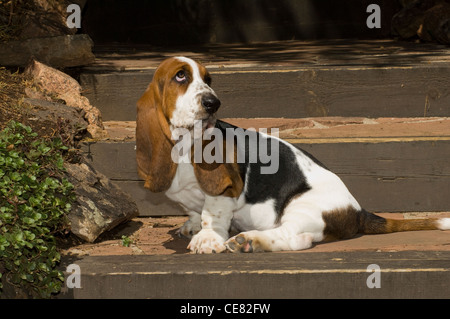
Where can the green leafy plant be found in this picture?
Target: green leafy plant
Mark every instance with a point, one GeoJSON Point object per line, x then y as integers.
{"type": "Point", "coordinates": [126, 241]}
{"type": "Point", "coordinates": [34, 198]}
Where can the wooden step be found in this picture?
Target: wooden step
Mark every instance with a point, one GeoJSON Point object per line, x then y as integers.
{"type": "Point", "coordinates": [284, 275]}
{"type": "Point", "coordinates": [291, 79]}
{"type": "Point", "coordinates": [389, 164]}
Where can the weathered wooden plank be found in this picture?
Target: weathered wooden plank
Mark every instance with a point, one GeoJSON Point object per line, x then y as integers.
{"type": "Point", "coordinates": [402, 194]}
{"type": "Point", "coordinates": [115, 94]}
{"type": "Point", "coordinates": [314, 53]}
{"type": "Point", "coordinates": [294, 93]}
{"type": "Point", "coordinates": [115, 160]}
{"type": "Point", "coordinates": [150, 204]}
{"type": "Point", "coordinates": [385, 160]}
{"type": "Point", "coordinates": [367, 92]}
{"type": "Point", "coordinates": [291, 275]}
{"type": "Point", "coordinates": [413, 176]}
{"type": "Point", "coordinates": [390, 160]}
{"type": "Point", "coordinates": [395, 176]}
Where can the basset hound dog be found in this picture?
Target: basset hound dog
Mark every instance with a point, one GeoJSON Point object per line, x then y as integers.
{"type": "Point", "coordinates": [289, 208]}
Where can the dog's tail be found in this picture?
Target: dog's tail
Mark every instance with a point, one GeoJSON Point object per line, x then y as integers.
{"type": "Point", "coordinates": [373, 224]}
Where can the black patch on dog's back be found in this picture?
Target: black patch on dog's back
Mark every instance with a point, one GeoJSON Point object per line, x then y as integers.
{"type": "Point", "coordinates": [286, 182]}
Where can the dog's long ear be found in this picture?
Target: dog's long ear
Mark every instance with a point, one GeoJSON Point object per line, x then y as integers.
{"type": "Point", "coordinates": [219, 178]}
{"type": "Point", "coordinates": [153, 143]}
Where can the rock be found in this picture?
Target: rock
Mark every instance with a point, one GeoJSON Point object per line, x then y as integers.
{"type": "Point", "coordinates": [428, 19]}
{"type": "Point", "coordinates": [44, 18]}
{"type": "Point", "coordinates": [100, 205]}
{"type": "Point", "coordinates": [407, 21]}
{"type": "Point", "coordinates": [436, 24]}
{"type": "Point", "coordinates": [67, 89]}
{"type": "Point", "coordinates": [46, 117]}
{"type": "Point", "coordinates": [59, 51]}
{"type": "Point", "coordinates": [39, 29]}
{"type": "Point", "coordinates": [28, 19]}
{"type": "Point", "coordinates": [405, 3]}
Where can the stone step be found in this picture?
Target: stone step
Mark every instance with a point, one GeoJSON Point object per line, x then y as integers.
{"type": "Point", "coordinates": [389, 164]}
{"type": "Point", "coordinates": [290, 79]}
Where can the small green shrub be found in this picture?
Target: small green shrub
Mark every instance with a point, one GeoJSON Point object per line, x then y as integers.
{"type": "Point", "coordinates": [34, 198]}
{"type": "Point", "coordinates": [126, 241]}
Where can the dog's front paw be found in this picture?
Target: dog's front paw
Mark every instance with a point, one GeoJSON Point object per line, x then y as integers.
{"type": "Point", "coordinates": [190, 228]}
{"type": "Point", "coordinates": [207, 241]}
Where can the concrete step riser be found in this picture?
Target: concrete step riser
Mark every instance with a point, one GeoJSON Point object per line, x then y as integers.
{"type": "Point", "coordinates": [294, 92]}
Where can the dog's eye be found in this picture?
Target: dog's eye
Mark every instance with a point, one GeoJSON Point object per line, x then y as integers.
{"type": "Point", "coordinates": [180, 76]}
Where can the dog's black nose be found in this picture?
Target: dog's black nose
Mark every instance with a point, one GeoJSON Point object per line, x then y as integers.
{"type": "Point", "coordinates": [210, 103]}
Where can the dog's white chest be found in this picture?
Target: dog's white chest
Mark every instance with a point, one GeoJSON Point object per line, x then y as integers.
{"type": "Point", "coordinates": [185, 189]}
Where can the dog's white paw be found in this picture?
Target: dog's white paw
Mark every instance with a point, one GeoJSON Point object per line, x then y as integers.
{"type": "Point", "coordinates": [207, 241]}
{"type": "Point", "coordinates": [190, 228]}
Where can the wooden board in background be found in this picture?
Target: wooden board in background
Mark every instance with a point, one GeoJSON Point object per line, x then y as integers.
{"type": "Point", "coordinates": [383, 177]}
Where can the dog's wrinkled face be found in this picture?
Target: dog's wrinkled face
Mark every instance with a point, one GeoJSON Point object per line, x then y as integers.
{"type": "Point", "coordinates": [186, 94]}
